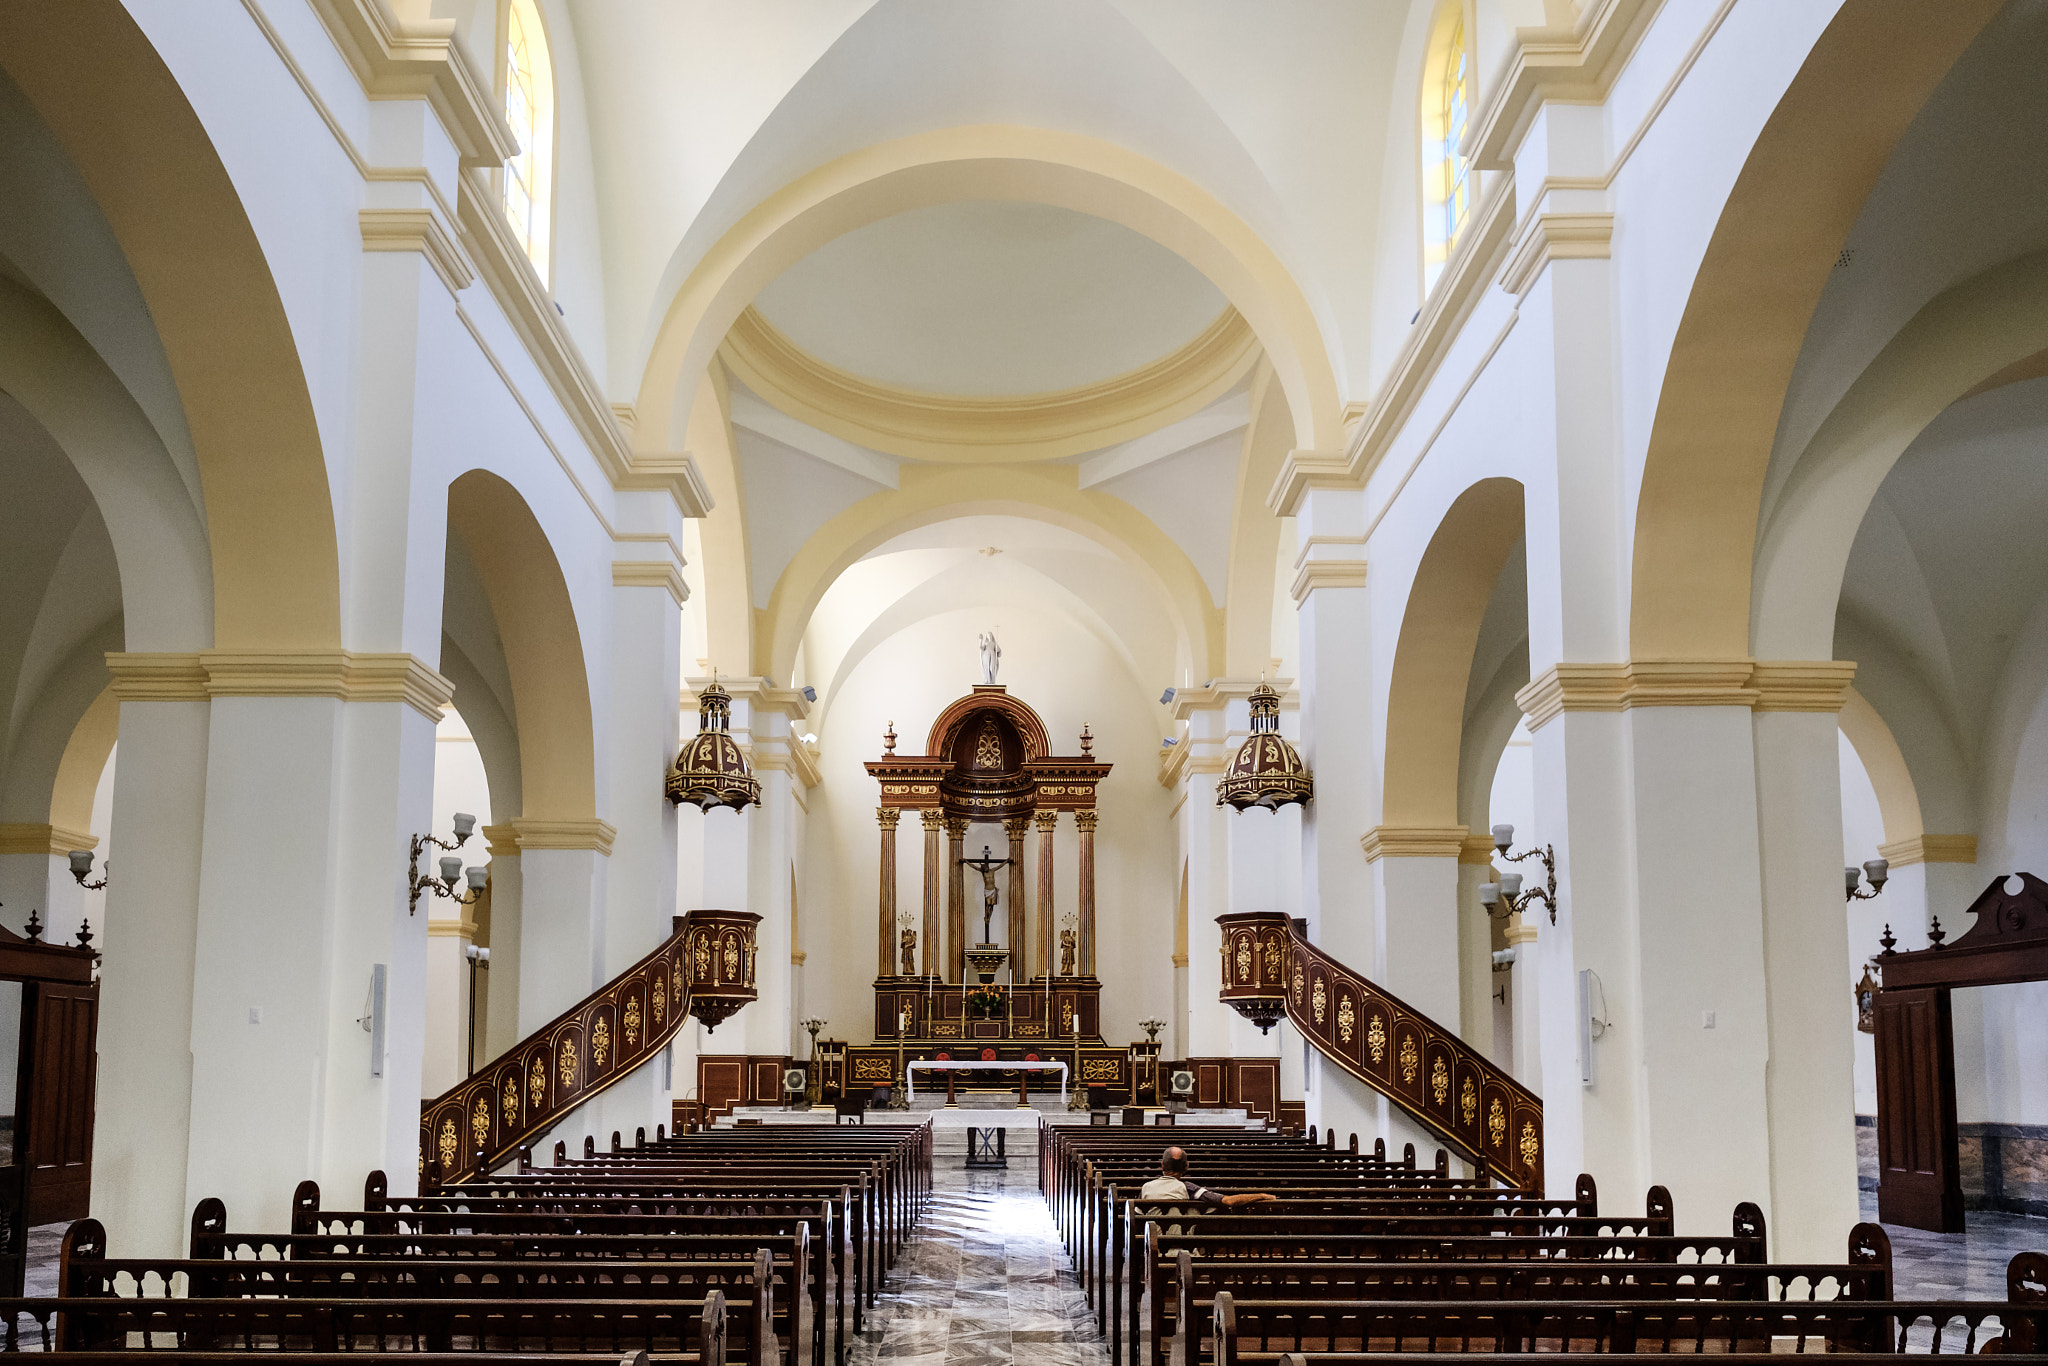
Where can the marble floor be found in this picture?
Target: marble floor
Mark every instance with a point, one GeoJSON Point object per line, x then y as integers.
{"type": "Point", "coordinates": [1966, 1265]}
{"type": "Point", "coordinates": [984, 1280]}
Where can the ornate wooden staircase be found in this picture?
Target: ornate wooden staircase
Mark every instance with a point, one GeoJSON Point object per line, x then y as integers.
{"type": "Point", "coordinates": [1270, 970]}
{"type": "Point", "coordinates": [704, 969]}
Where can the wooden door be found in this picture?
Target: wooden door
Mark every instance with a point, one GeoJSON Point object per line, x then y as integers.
{"type": "Point", "coordinates": [1919, 1184]}
{"type": "Point", "coordinates": [61, 1022]}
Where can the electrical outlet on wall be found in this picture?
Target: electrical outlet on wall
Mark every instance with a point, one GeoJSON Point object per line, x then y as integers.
{"type": "Point", "coordinates": [1706, 1019]}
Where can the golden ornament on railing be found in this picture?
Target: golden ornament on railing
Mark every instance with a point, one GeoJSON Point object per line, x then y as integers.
{"type": "Point", "coordinates": [1266, 771]}
{"type": "Point", "coordinates": [723, 981]}
{"type": "Point", "coordinates": [711, 770]}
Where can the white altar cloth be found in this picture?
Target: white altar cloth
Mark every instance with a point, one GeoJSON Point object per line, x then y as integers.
{"type": "Point", "coordinates": [977, 1065]}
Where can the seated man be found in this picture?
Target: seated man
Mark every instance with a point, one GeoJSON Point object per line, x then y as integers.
{"type": "Point", "coordinates": [1172, 1184]}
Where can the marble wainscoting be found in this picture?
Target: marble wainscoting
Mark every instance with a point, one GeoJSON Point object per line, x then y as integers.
{"type": "Point", "coordinates": [2004, 1167]}
{"type": "Point", "coordinates": [984, 1280]}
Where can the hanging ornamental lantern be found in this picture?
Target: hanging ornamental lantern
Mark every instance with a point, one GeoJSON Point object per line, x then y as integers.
{"type": "Point", "coordinates": [1266, 771]}
{"type": "Point", "coordinates": [711, 770]}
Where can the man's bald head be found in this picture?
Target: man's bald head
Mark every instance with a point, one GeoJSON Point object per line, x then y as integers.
{"type": "Point", "coordinates": [1173, 1162]}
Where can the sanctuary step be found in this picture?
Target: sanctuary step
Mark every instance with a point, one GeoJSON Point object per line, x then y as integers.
{"type": "Point", "coordinates": [981, 1117]}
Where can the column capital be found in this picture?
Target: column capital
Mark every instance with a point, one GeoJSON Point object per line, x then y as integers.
{"type": "Point", "coordinates": [1477, 850]}
{"type": "Point", "coordinates": [887, 816]}
{"type": "Point", "coordinates": [500, 841]}
{"type": "Point", "coordinates": [1762, 685]}
{"type": "Point", "coordinates": [1413, 841]}
{"type": "Point", "coordinates": [1930, 849]}
{"type": "Point", "coordinates": [956, 827]}
{"type": "Point", "coordinates": [1015, 827]}
{"type": "Point", "coordinates": [1047, 820]}
{"type": "Point", "coordinates": [1328, 562]}
{"type": "Point", "coordinates": [933, 818]}
{"type": "Point", "coordinates": [575, 834]}
{"type": "Point", "coordinates": [44, 839]}
{"type": "Point", "coordinates": [1084, 821]}
{"type": "Point", "coordinates": [188, 676]}
{"type": "Point", "coordinates": [663, 573]}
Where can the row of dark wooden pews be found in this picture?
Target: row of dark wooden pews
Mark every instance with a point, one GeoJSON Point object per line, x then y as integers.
{"type": "Point", "coordinates": [759, 1246]}
{"type": "Point", "coordinates": [1359, 1258]}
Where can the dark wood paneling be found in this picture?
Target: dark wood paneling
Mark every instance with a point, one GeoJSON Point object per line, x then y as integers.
{"type": "Point", "coordinates": [62, 1019]}
{"type": "Point", "coordinates": [1209, 1077]}
{"type": "Point", "coordinates": [1919, 1177]}
{"type": "Point", "coordinates": [1256, 1086]}
{"type": "Point", "coordinates": [721, 1084]}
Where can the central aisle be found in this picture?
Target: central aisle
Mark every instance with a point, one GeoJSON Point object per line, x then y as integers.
{"type": "Point", "coordinates": [984, 1280]}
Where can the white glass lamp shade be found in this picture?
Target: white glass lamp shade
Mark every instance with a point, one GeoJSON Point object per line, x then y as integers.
{"type": "Point", "coordinates": [1503, 836]}
{"type": "Point", "coordinates": [1877, 870]}
{"type": "Point", "coordinates": [1489, 893]}
{"type": "Point", "coordinates": [465, 825]}
{"type": "Point", "coordinates": [475, 874]}
{"type": "Point", "coordinates": [1850, 876]}
{"type": "Point", "coordinates": [451, 870]}
{"type": "Point", "coordinates": [81, 861]}
{"type": "Point", "coordinates": [1510, 883]}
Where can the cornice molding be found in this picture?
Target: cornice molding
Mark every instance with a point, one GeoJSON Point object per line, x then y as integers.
{"type": "Point", "coordinates": [1577, 64]}
{"type": "Point", "coordinates": [760, 693]}
{"type": "Point", "coordinates": [1173, 761]}
{"type": "Point", "coordinates": [1763, 685]}
{"type": "Point", "coordinates": [574, 834]}
{"type": "Point", "coordinates": [651, 574]}
{"type": "Point", "coordinates": [396, 61]}
{"type": "Point", "coordinates": [464, 929]}
{"type": "Point", "coordinates": [1548, 237]}
{"type": "Point", "coordinates": [1221, 692]}
{"type": "Point", "coordinates": [1930, 849]}
{"type": "Point", "coordinates": [500, 841]}
{"type": "Point", "coordinates": [1314, 574]}
{"type": "Point", "coordinates": [419, 230]}
{"type": "Point", "coordinates": [1458, 291]}
{"type": "Point", "coordinates": [1414, 841]}
{"type": "Point", "coordinates": [528, 307]}
{"type": "Point", "coordinates": [343, 674]}
{"type": "Point", "coordinates": [44, 839]}
{"type": "Point", "coordinates": [925, 426]}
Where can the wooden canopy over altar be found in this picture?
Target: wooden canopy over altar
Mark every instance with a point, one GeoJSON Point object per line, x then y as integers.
{"type": "Point", "coordinates": [987, 758]}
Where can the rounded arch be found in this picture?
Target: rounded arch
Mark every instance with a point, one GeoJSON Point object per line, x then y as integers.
{"type": "Point", "coordinates": [939, 493]}
{"type": "Point", "coordinates": [990, 162]}
{"type": "Point", "coordinates": [543, 646]}
{"type": "Point", "coordinates": [1433, 659]}
{"type": "Point", "coordinates": [1985, 329]}
{"type": "Point", "coordinates": [1731, 361]}
{"type": "Point", "coordinates": [146, 158]}
{"type": "Point", "coordinates": [1898, 801]}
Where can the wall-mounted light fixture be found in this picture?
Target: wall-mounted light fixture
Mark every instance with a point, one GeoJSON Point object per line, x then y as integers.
{"type": "Point", "coordinates": [1877, 870]}
{"type": "Point", "coordinates": [1508, 891]}
{"type": "Point", "coordinates": [81, 868]}
{"type": "Point", "coordinates": [452, 870]}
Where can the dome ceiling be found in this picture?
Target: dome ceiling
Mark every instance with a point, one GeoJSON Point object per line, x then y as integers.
{"type": "Point", "coordinates": [985, 299]}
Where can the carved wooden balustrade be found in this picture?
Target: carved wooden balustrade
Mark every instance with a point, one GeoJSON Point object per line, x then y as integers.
{"type": "Point", "coordinates": [1270, 970]}
{"type": "Point", "coordinates": [704, 970]}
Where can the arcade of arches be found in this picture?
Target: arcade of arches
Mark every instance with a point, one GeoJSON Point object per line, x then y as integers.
{"type": "Point", "coordinates": [1618, 419]}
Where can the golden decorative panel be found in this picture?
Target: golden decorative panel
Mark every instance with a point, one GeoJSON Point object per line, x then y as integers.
{"type": "Point", "coordinates": [945, 1031]}
{"type": "Point", "coordinates": [1274, 973]}
{"type": "Point", "coordinates": [633, 1022]}
{"type": "Point", "coordinates": [1468, 1100]}
{"type": "Point", "coordinates": [567, 1063]}
{"type": "Point", "coordinates": [1496, 1121]}
{"type": "Point", "coordinates": [1100, 1069]}
{"type": "Point", "coordinates": [1244, 960]}
{"type": "Point", "coordinates": [1529, 1145]}
{"type": "Point", "coordinates": [1439, 1081]}
{"type": "Point", "coordinates": [659, 1000]}
{"type": "Point", "coordinates": [873, 1069]}
{"type": "Point", "coordinates": [1411, 1060]}
{"type": "Point", "coordinates": [480, 1123]}
{"type": "Point", "coordinates": [1347, 1019]}
{"type": "Point", "coordinates": [1298, 983]}
{"type": "Point", "coordinates": [600, 1042]}
{"type": "Point", "coordinates": [1319, 1001]}
{"type": "Point", "coordinates": [537, 1084]}
{"type": "Point", "coordinates": [1376, 1039]}
{"type": "Point", "coordinates": [511, 1100]}
{"type": "Point", "coordinates": [448, 1144]}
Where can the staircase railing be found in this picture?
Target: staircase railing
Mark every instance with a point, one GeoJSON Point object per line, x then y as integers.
{"type": "Point", "coordinates": [1486, 1116]}
{"type": "Point", "coordinates": [704, 969]}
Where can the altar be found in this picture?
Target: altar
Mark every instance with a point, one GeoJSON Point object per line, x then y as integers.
{"type": "Point", "coordinates": [950, 1067]}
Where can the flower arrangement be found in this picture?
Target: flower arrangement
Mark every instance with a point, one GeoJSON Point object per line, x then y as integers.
{"type": "Point", "coordinates": [986, 1002]}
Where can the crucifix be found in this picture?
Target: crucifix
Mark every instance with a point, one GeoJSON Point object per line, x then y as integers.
{"type": "Point", "coordinates": [986, 865]}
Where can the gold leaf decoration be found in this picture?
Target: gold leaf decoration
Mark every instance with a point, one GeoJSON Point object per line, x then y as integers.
{"type": "Point", "coordinates": [1530, 1147]}
{"type": "Point", "coordinates": [447, 1144]}
{"type": "Point", "coordinates": [1468, 1100]}
{"type": "Point", "coordinates": [632, 1022]}
{"type": "Point", "coordinates": [700, 953]}
{"type": "Point", "coordinates": [660, 1003]}
{"type": "Point", "coordinates": [1347, 1019]}
{"type": "Point", "coordinates": [1496, 1121]}
{"type": "Point", "coordinates": [1298, 984]}
{"type": "Point", "coordinates": [1376, 1039]}
{"type": "Point", "coordinates": [1319, 1001]}
{"type": "Point", "coordinates": [1411, 1061]}
{"type": "Point", "coordinates": [1274, 970]}
{"type": "Point", "coordinates": [511, 1100]}
{"type": "Point", "coordinates": [600, 1041]}
{"type": "Point", "coordinates": [567, 1063]}
{"type": "Point", "coordinates": [480, 1122]}
{"type": "Point", "coordinates": [537, 1083]}
{"type": "Point", "coordinates": [1439, 1081]}
{"type": "Point", "coordinates": [732, 958]}
{"type": "Point", "coordinates": [1244, 960]}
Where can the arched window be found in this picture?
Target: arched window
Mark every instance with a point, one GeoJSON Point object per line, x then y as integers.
{"type": "Point", "coordinates": [1446, 100]}
{"type": "Point", "coordinates": [530, 109]}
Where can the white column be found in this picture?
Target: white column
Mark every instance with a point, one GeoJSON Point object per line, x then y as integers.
{"type": "Point", "coordinates": [562, 867]}
{"type": "Point", "coordinates": [500, 983]}
{"type": "Point", "coordinates": [446, 1057]}
{"type": "Point", "coordinates": [140, 1133]}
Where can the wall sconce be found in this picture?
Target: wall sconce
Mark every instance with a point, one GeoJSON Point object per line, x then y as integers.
{"type": "Point", "coordinates": [1508, 891]}
{"type": "Point", "coordinates": [81, 868]}
{"type": "Point", "coordinates": [452, 870]}
{"type": "Point", "coordinates": [1877, 870]}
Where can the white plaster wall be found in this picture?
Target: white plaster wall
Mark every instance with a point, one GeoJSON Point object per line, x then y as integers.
{"type": "Point", "coordinates": [1862, 832]}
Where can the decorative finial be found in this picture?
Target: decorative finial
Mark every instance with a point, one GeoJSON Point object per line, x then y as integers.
{"type": "Point", "coordinates": [1936, 934]}
{"type": "Point", "coordinates": [33, 931]}
{"type": "Point", "coordinates": [1087, 740]}
{"type": "Point", "coordinates": [1887, 940]}
{"type": "Point", "coordinates": [889, 739]}
{"type": "Point", "coordinates": [85, 936]}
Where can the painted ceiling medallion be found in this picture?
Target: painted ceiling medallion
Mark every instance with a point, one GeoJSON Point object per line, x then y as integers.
{"type": "Point", "coordinates": [712, 771]}
{"type": "Point", "coordinates": [1266, 771]}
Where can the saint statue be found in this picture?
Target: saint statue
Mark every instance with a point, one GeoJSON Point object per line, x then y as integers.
{"type": "Point", "coordinates": [991, 656]}
{"type": "Point", "coordinates": [910, 953]}
{"type": "Point", "coordinates": [1066, 953]}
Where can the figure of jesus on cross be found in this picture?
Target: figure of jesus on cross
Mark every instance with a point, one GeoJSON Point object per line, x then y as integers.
{"type": "Point", "coordinates": [986, 865]}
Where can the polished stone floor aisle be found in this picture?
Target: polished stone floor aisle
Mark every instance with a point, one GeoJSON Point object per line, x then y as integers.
{"type": "Point", "coordinates": [985, 1279]}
